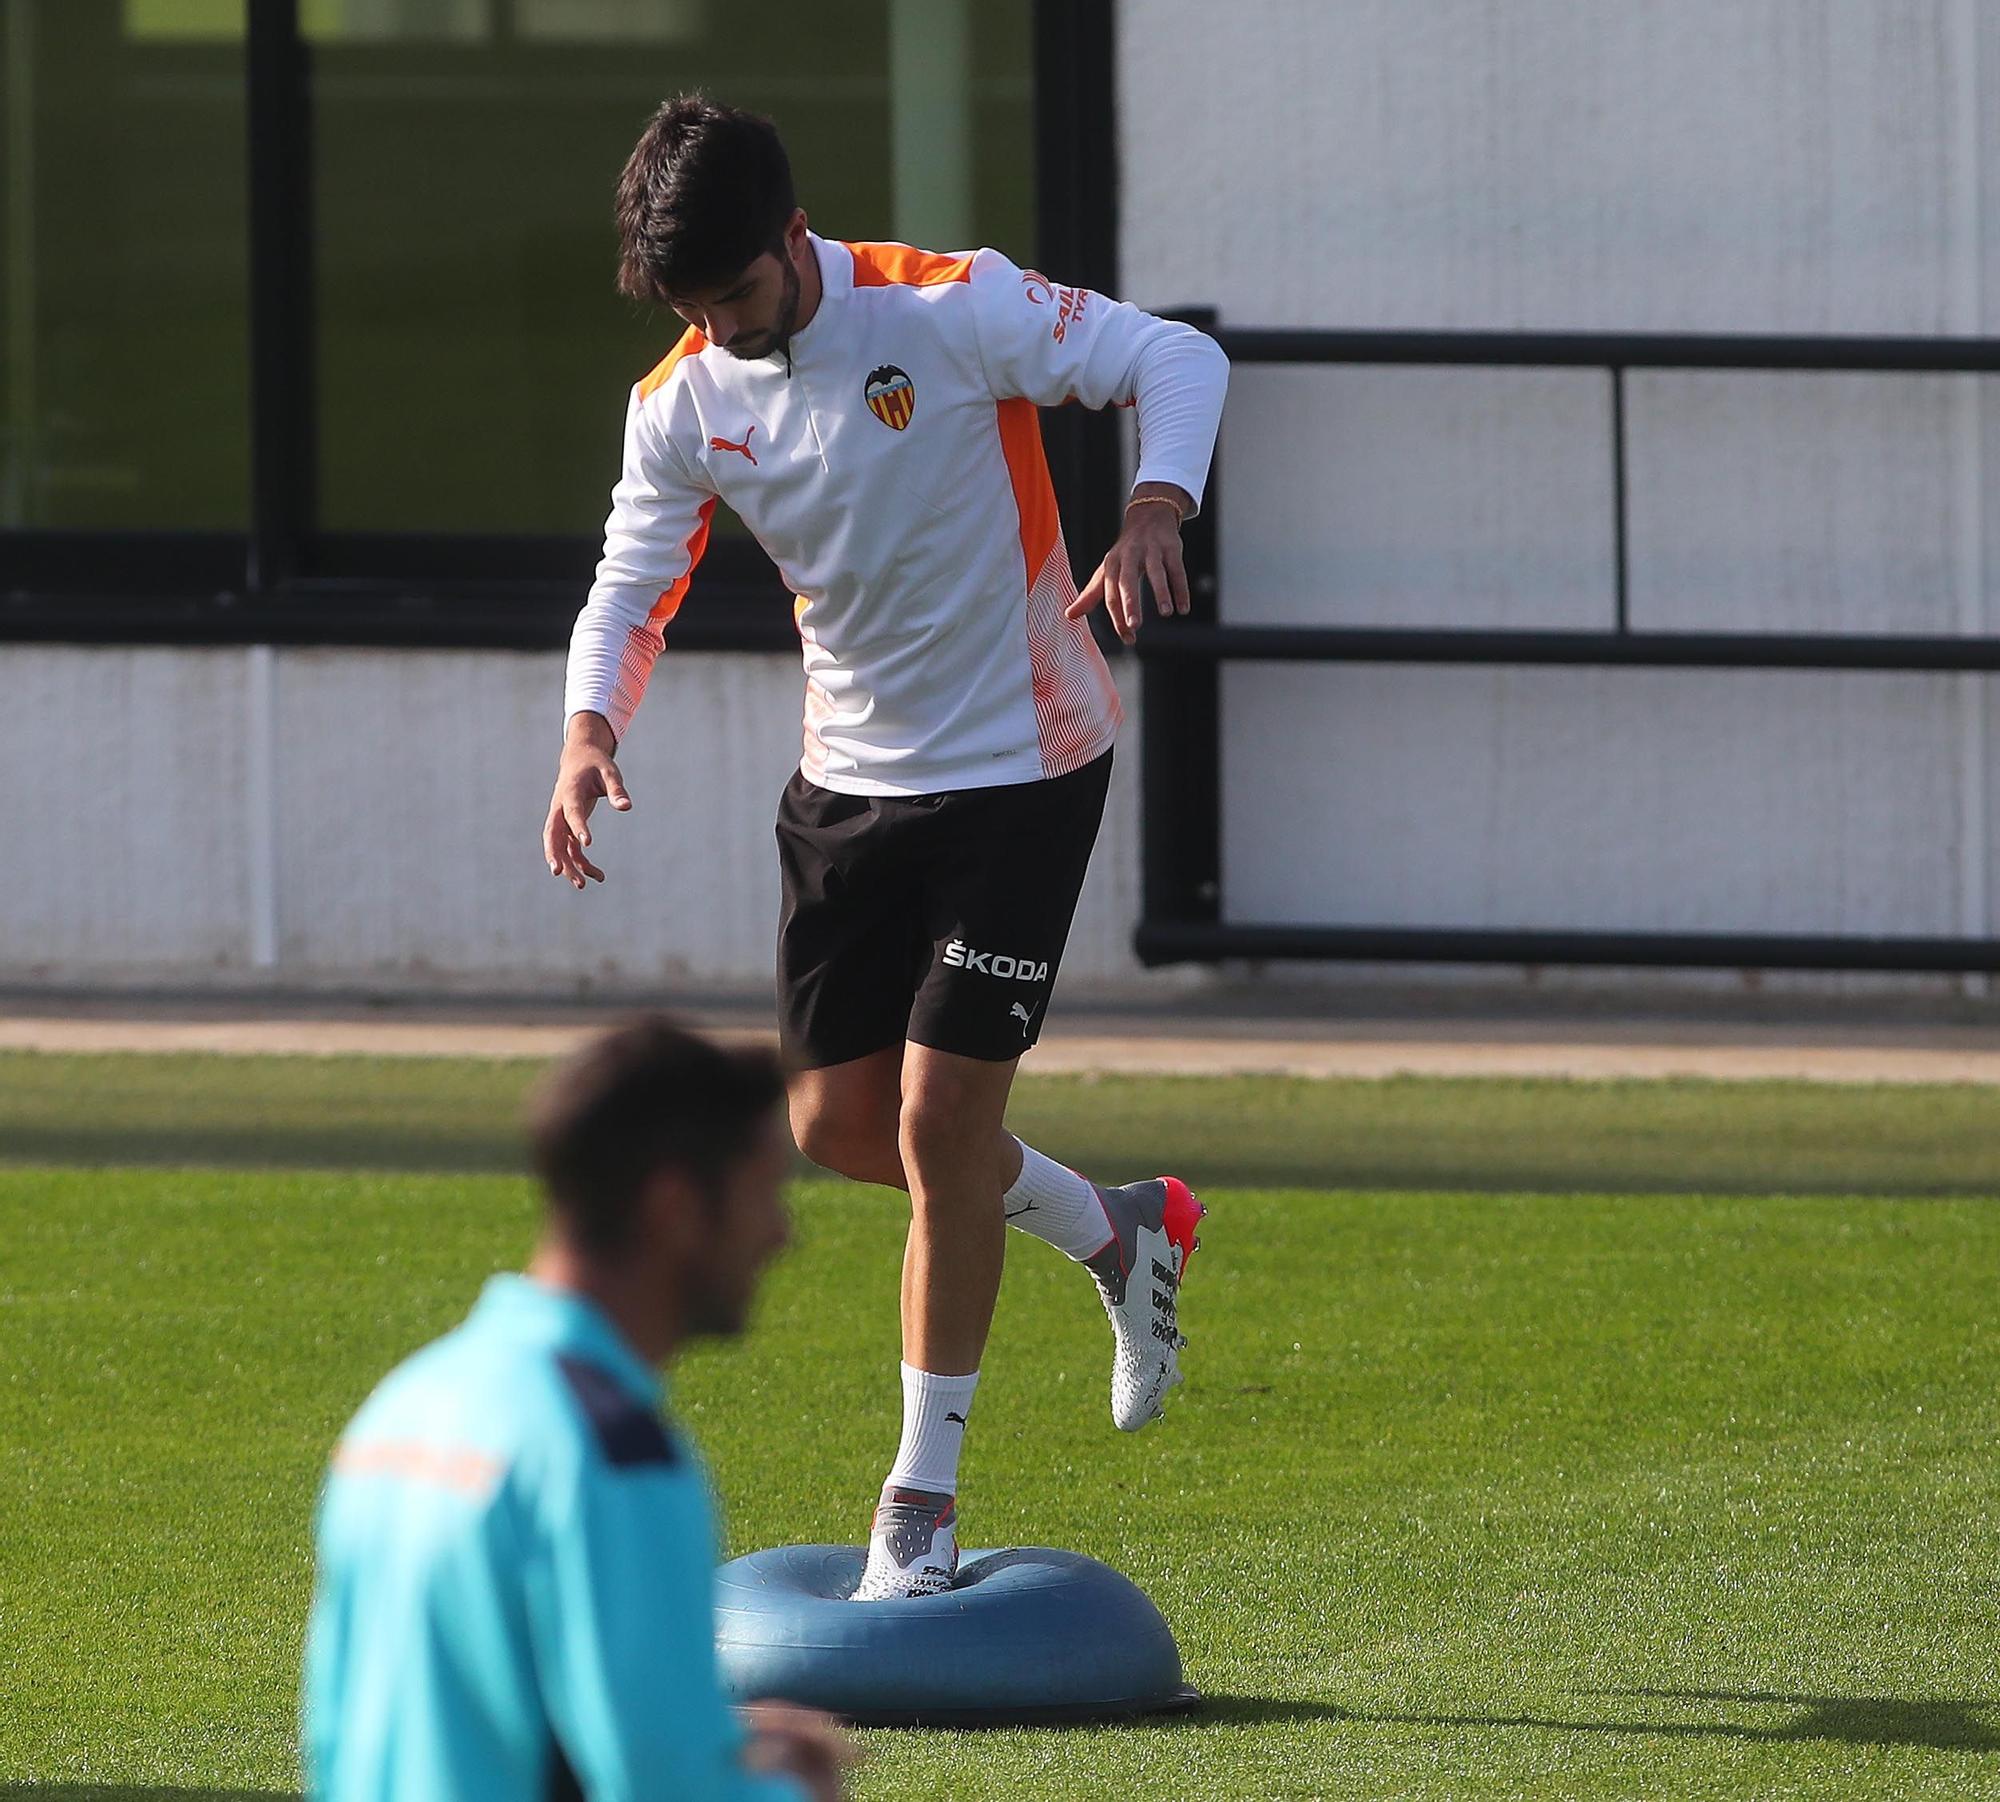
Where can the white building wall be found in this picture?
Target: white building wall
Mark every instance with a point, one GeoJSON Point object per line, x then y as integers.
{"type": "Point", "coordinates": [123, 811]}
{"type": "Point", "coordinates": [365, 819]}
{"type": "Point", "coordinates": [1658, 165]}
{"type": "Point", "coordinates": [377, 825]}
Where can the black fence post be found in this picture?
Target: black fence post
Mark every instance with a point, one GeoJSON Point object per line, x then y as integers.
{"type": "Point", "coordinates": [1621, 508]}
{"type": "Point", "coordinates": [1180, 778]}
{"type": "Point", "coordinates": [282, 429]}
{"type": "Point", "coordinates": [1076, 244]}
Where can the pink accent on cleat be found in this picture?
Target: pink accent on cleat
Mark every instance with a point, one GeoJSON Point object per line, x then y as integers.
{"type": "Point", "coordinates": [1184, 1213]}
{"type": "Point", "coordinates": [1139, 1271]}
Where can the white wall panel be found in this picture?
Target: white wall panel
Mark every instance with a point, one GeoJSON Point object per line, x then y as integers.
{"type": "Point", "coordinates": [122, 810]}
{"type": "Point", "coordinates": [1417, 497]}
{"type": "Point", "coordinates": [691, 895]}
{"type": "Point", "coordinates": [1805, 503]}
{"type": "Point", "coordinates": [1658, 165]}
{"type": "Point", "coordinates": [391, 859]}
{"type": "Point", "coordinates": [1747, 801]}
{"type": "Point", "coordinates": [1722, 165]}
{"type": "Point", "coordinates": [409, 790]}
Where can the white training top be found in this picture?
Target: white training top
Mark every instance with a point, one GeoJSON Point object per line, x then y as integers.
{"type": "Point", "coordinates": [893, 470]}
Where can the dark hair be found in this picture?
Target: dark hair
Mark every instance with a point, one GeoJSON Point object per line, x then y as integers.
{"type": "Point", "coordinates": [705, 193]}
{"type": "Point", "coordinates": [643, 1098]}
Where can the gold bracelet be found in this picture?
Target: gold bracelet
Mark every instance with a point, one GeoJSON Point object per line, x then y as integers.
{"type": "Point", "coordinates": [1156, 500]}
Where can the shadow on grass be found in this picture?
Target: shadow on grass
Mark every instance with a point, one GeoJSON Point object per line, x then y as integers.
{"type": "Point", "coordinates": [1935, 1723]}
{"type": "Point", "coordinates": [1939, 1724]}
{"type": "Point", "coordinates": [1483, 1135]}
{"type": "Point", "coordinates": [1216, 1710]}
{"type": "Point", "coordinates": [137, 1792]}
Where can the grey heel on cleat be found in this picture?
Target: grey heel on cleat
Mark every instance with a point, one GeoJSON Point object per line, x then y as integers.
{"type": "Point", "coordinates": [912, 1546]}
{"type": "Point", "coordinates": [1139, 1272]}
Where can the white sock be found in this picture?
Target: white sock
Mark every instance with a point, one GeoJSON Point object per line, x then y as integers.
{"type": "Point", "coordinates": [1055, 1204]}
{"type": "Point", "coordinates": [934, 1415]}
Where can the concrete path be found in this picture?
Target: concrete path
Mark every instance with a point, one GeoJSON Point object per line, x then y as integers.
{"type": "Point", "coordinates": [1203, 1036]}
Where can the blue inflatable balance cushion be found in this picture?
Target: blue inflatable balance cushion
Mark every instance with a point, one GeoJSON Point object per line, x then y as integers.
{"type": "Point", "coordinates": [1022, 1636]}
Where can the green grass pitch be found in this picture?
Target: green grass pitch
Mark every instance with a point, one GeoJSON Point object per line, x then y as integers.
{"type": "Point", "coordinates": [1541, 1440]}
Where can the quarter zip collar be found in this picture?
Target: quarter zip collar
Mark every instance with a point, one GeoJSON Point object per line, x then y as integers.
{"type": "Point", "coordinates": [836, 284]}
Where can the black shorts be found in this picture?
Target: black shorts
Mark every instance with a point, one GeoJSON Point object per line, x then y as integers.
{"type": "Point", "coordinates": [937, 918]}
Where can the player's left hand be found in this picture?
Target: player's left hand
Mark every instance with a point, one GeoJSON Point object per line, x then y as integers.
{"type": "Point", "coordinates": [1148, 550]}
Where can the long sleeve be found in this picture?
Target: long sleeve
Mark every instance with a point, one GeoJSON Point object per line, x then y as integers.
{"type": "Point", "coordinates": [654, 537]}
{"type": "Point", "coordinates": [621, 1615]}
{"type": "Point", "coordinates": [1050, 344]}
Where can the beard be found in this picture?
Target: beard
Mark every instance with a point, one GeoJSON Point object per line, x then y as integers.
{"type": "Point", "coordinates": [779, 337]}
{"type": "Point", "coordinates": [715, 1301]}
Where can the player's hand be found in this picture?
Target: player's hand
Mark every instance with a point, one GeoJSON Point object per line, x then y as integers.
{"type": "Point", "coordinates": [586, 776]}
{"type": "Point", "coordinates": [800, 1742]}
{"type": "Point", "coordinates": [1148, 550]}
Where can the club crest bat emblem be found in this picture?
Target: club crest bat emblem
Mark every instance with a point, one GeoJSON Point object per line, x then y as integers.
{"type": "Point", "coordinates": [891, 396]}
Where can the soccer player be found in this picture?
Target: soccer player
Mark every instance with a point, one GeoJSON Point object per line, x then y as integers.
{"type": "Point", "coordinates": [516, 1555]}
{"type": "Point", "coordinates": [869, 411]}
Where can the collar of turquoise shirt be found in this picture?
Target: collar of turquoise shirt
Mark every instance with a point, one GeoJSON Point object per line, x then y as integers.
{"type": "Point", "coordinates": [523, 1308]}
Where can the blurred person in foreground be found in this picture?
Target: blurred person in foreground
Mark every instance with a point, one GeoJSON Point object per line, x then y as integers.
{"type": "Point", "coordinates": [516, 1552]}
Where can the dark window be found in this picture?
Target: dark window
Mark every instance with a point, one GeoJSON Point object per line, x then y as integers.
{"type": "Point", "coordinates": [123, 313]}
{"type": "Point", "coordinates": [473, 360]}
{"type": "Point", "coordinates": [308, 331]}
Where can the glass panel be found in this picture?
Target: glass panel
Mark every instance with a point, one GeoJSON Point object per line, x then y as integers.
{"type": "Point", "coordinates": [473, 356]}
{"type": "Point", "coordinates": [1002, 105]}
{"type": "Point", "coordinates": [124, 305]}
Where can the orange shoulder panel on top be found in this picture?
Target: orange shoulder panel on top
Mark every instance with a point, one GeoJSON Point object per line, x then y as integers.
{"type": "Point", "coordinates": [691, 342]}
{"type": "Point", "coordinates": [897, 265]}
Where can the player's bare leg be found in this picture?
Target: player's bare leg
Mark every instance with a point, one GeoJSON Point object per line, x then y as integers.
{"type": "Point", "coordinates": [848, 1117]}
{"type": "Point", "coordinates": [958, 1164]}
{"type": "Point", "coordinates": [877, 1118]}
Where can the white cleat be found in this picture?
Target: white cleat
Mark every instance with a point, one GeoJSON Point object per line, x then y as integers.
{"type": "Point", "coordinates": [1139, 1271]}
{"type": "Point", "coordinates": [912, 1546]}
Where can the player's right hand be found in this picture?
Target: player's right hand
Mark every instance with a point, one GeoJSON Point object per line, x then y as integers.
{"type": "Point", "coordinates": [802, 1743]}
{"type": "Point", "coordinates": [586, 775]}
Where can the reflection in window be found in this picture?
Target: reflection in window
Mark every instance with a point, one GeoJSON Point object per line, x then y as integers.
{"type": "Point", "coordinates": [123, 279]}
{"type": "Point", "coordinates": [612, 21]}
{"type": "Point", "coordinates": [473, 357]}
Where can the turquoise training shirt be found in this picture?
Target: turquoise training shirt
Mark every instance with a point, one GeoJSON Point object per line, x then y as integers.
{"type": "Point", "coordinates": [515, 1593]}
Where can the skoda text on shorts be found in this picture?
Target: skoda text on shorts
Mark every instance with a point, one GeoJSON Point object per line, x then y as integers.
{"type": "Point", "coordinates": [869, 411]}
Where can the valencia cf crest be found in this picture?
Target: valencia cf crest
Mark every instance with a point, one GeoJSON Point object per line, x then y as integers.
{"type": "Point", "coordinates": [891, 396]}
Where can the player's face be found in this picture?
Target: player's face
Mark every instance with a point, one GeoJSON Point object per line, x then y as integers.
{"type": "Point", "coordinates": [752, 316]}
{"type": "Point", "coordinates": [750, 1227]}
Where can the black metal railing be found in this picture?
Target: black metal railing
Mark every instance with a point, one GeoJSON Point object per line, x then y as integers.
{"type": "Point", "coordinates": [1182, 876]}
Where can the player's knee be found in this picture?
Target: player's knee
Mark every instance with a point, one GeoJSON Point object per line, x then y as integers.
{"type": "Point", "coordinates": [836, 1141]}
{"type": "Point", "coordinates": [822, 1136]}
{"type": "Point", "coordinates": [934, 1131]}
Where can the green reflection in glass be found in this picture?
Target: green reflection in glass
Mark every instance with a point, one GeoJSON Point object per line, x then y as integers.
{"type": "Point", "coordinates": [123, 299]}
{"type": "Point", "coordinates": [473, 357]}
